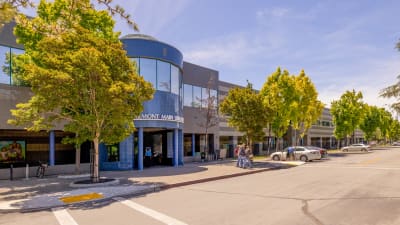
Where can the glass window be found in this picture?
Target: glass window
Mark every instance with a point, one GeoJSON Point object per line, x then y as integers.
{"type": "Point", "coordinates": [204, 97]}
{"type": "Point", "coordinates": [148, 69]}
{"type": "Point", "coordinates": [175, 81]}
{"type": "Point", "coordinates": [196, 96]}
{"type": "Point", "coordinates": [214, 97]}
{"type": "Point", "coordinates": [4, 65]}
{"type": "Point", "coordinates": [15, 52]}
{"type": "Point", "coordinates": [187, 145]}
{"type": "Point", "coordinates": [188, 95]}
{"type": "Point", "coordinates": [113, 153]}
{"type": "Point", "coordinates": [136, 62]}
{"type": "Point", "coordinates": [163, 76]}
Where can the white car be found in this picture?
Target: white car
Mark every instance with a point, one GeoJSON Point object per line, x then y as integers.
{"type": "Point", "coordinates": [357, 148]}
{"type": "Point", "coordinates": [300, 153]}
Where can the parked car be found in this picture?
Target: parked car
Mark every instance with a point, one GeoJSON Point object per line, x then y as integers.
{"type": "Point", "coordinates": [357, 148]}
{"type": "Point", "coordinates": [396, 143]}
{"type": "Point", "coordinates": [300, 153]}
{"type": "Point", "coordinates": [323, 151]}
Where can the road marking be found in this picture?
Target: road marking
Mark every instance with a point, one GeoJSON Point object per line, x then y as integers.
{"type": "Point", "coordinates": [353, 167]}
{"type": "Point", "coordinates": [152, 213]}
{"type": "Point", "coordinates": [81, 198]}
{"type": "Point", "coordinates": [63, 217]}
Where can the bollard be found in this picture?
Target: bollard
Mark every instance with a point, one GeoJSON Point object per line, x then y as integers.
{"type": "Point", "coordinates": [27, 172]}
{"type": "Point", "coordinates": [11, 171]}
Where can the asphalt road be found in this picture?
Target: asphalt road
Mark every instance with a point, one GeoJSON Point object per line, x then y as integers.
{"type": "Point", "coordinates": [357, 189]}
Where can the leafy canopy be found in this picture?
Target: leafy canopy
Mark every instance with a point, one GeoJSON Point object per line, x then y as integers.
{"type": "Point", "coordinates": [79, 73]}
{"type": "Point", "coordinates": [243, 107]}
{"type": "Point", "coordinates": [347, 113]}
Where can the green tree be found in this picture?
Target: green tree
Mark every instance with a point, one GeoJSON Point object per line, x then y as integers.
{"type": "Point", "coordinates": [279, 100]}
{"type": "Point", "coordinates": [306, 109]}
{"type": "Point", "coordinates": [79, 74]}
{"type": "Point", "coordinates": [347, 113]}
{"type": "Point", "coordinates": [244, 111]}
{"type": "Point", "coordinates": [9, 9]}
{"type": "Point", "coordinates": [370, 121]}
{"type": "Point", "coordinates": [385, 123]}
{"type": "Point", "coordinates": [393, 91]}
{"type": "Point", "coordinates": [394, 130]}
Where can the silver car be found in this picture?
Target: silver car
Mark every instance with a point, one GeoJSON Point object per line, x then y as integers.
{"type": "Point", "coordinates": [357, 148]}
{"type": "Point", "coordinates": [300, 153]}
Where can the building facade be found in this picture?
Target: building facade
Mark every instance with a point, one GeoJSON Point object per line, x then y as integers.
{"type": "Point", "coordinates": [179, 123]}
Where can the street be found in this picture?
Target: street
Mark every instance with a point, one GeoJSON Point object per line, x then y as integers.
{"type": "Point", "coordinates": [346, 189]}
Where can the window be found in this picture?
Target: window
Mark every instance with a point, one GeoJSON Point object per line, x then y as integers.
{"type": "Point", "coordinates": [214, 97]}
{"type": "Point", "coordinates": [15, 52]}
{"type": "Point", "coordinates": [175, 81]}
{"type": "Point", "coordinates": [113, 153]}
{"type": "Point", "coordinates": [196, 96]}
{"type": "Point", "coordinates": [188, 95]}
{"type": "Point", "coordinates": [148, 69]}
{"type": "Point", "coordinates": [163, 76]}
{"type": "Point", "coordinates": [4, 65]}
{"type": "Point", "coordinates": [204, 97]}
{"type": "Point", "coordinates": [136, 62]}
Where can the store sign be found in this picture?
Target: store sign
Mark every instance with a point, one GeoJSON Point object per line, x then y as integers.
{"type": "Point", "coordinates": [158, 116]}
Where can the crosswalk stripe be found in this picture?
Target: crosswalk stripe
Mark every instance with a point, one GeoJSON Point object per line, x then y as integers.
{"type": "Point", "coordinates": [63, 217]}
{"type": "Point", "coordinates": [152, 213]}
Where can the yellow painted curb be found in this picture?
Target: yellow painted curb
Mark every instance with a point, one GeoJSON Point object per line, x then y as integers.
{"type": "Point", "coordinates": [81, 198]}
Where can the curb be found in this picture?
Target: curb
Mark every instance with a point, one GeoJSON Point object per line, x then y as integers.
{"type": "Point", "coordinates": [152, 189]}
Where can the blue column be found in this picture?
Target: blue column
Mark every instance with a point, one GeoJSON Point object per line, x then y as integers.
{"type": "Point", "coordinates": [140, 155]}
{"type": "Point", "coordinates": [193, 146]}
{"type": "Point", "coordinates": [133, 150]}
{"type": "Point", "coordinates": [176, 156]}
{"type": "Point", "coordinates": [180, 147]}
{"type": "Point", "coordinates": [52, 148]}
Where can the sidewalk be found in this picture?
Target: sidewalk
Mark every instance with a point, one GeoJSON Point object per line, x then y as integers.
{"type": "Point", "coordinates": [50, 192]}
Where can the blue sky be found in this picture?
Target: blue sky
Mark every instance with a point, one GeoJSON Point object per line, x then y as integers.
{"type": "Point", "coordinates": [341, 44]}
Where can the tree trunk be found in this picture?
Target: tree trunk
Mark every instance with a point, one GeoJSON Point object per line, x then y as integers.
{"type": "Point", "coordinates": [96, 175]}
{"type": "Point", "coordinates": [77, 159]}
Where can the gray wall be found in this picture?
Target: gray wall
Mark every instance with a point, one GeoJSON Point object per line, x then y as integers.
{"type": "Point", "coordinates": [10, 96]}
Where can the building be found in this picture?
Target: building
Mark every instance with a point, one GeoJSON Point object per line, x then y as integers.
{"type": "Point", "coordinates": [175, 126]}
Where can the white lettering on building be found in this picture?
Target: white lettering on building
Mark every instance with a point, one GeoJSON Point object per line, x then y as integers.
{"type": "Point", "coordinates": [163, 117]}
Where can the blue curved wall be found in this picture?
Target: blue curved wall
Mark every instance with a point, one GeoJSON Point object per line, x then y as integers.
{"type": "Point", "coordinates": [163, 103]}
{"type": "Point", "coordinates": [136, 47]}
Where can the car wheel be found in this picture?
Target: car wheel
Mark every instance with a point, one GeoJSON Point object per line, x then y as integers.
{"type": "Point", "coordinates": [275, 158]}
{"type": "Point", "coordinates": [364, 150]}
{"type": "Point", "coordinates": [303, 158]}
{"type": "Point", "coordinates": [345, 150]}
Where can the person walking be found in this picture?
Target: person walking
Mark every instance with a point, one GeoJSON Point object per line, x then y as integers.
{"type": "Point", "coordinates": [241, 156]}
{"type": "Point", "coordinates": [249, 157]}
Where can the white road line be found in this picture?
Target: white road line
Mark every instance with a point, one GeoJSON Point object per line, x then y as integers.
{"type": "Point", "coordinates": [354, 167]}
{"type": "Point", "coordinates": [63, 217]}
{"type": "Point", "coordinates": [152, 213]}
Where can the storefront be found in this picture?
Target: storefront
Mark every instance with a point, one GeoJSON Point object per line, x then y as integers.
{"type": "Point", "coordinates": [159, 127]}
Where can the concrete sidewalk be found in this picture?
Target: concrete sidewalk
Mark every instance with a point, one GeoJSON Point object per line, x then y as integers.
{"type": "Point", "coordinates": [50, 192]}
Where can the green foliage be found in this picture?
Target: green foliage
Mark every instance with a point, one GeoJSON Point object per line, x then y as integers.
{"type": "Point", "coordinates": [394, 130]}
{"type": "Point", "coordinates": [306, 107]}
{"type": "Point", "coordinates": [14, 64]}
{"type": "Point", "coordinates": [279, 99]}
{"type": "Point", "coordinates": [371, 121]}
{"type": "Point", "coordinates": [79, 74]}
{"type": "Point", "coordinates": [243, 106]}
{"type": "Point", "coordinates": [386, 120]}
{"type": "Point", "coordinates": [347, 113]}
{"type": "Point", "coordinates": [9, 9]}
